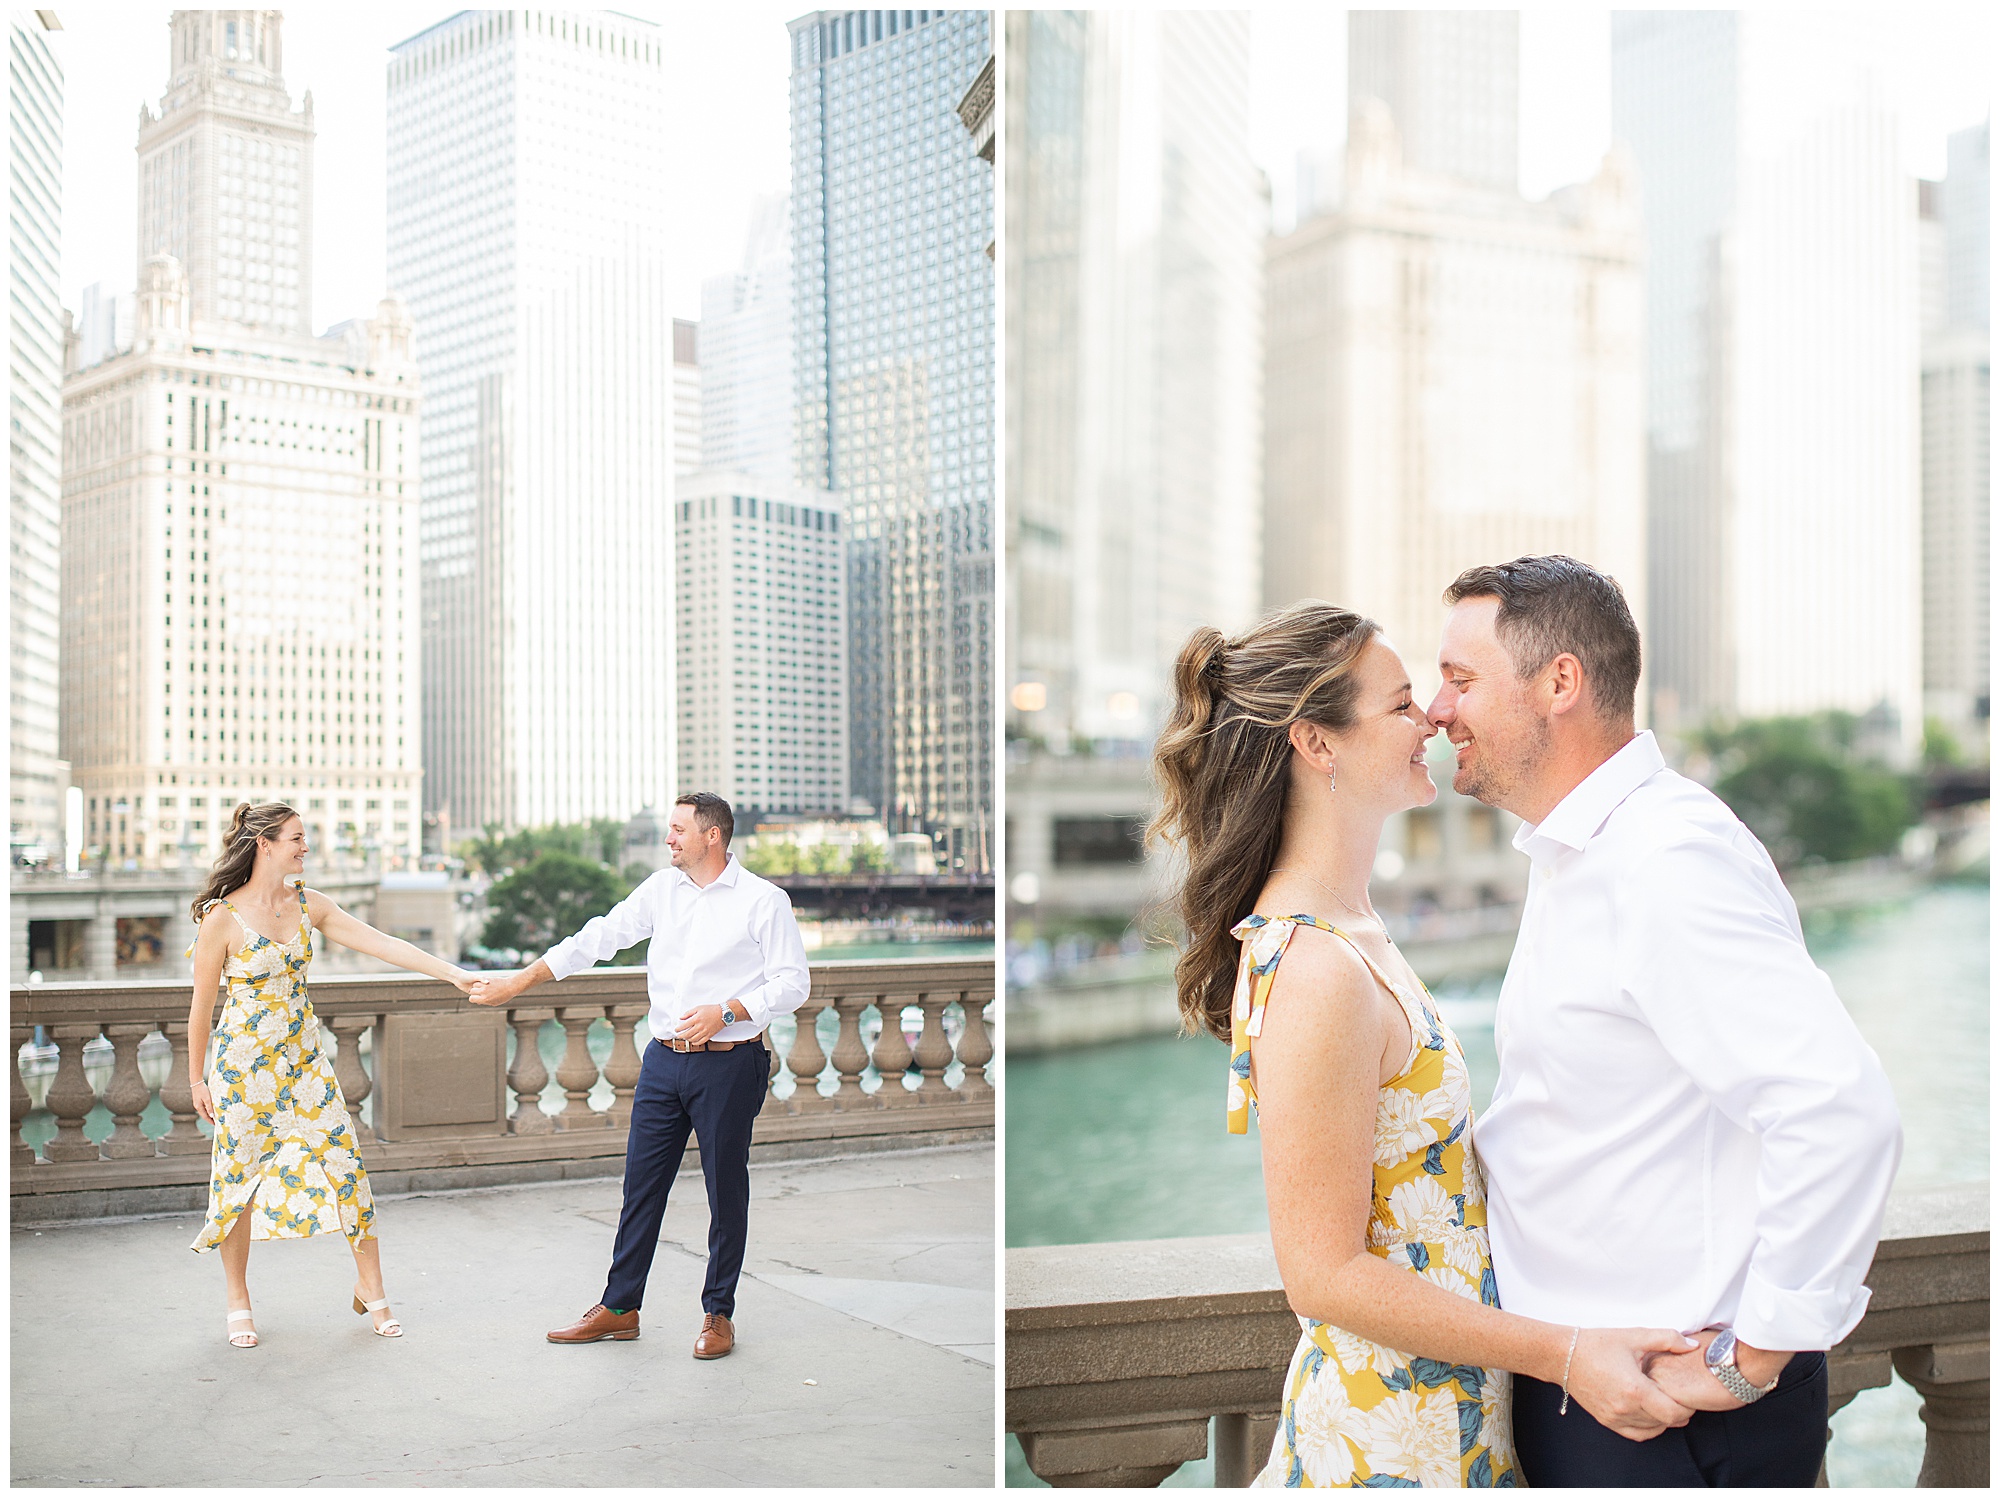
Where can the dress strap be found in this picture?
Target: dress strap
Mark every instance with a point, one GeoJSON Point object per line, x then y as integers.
{"type": "Point", "coordinates": [305, 914]}
{"type": "Point", "coordinates": [1423, 1028]}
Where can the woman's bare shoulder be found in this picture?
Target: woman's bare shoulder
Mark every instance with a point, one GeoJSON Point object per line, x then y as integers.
{"type": "Point", "coordinates": [1322, 988]}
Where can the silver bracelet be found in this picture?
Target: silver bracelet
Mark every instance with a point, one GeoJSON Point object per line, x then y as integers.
{"type": "Point", "coordinates": [1575, 1332]}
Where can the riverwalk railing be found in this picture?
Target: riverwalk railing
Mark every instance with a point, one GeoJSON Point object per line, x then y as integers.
{"type": "Point", "coordinates": [1121, 1357]}
{"type": "Point", "coordinates": [438, 1102]}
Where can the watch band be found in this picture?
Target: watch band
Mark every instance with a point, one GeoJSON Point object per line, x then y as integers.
{"type": "Point", "coordinates": [1721, 1362]}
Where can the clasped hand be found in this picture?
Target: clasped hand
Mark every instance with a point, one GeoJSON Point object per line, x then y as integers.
{"type": "Point", "coordinates": [1639, 1383]}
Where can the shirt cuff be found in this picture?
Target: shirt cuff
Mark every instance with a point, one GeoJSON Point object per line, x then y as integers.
{"type": "Point", "coordinates": [754, 1010]}
{"type": "Point", "coordinates": [562, 959]}
{"type": "Point", "coordinates": [1778, 1320]}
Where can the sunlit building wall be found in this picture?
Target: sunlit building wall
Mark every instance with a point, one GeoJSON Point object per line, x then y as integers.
{"type": "Point", "coordinates": [687, 396]}
{"type": "Point", "coordinates": [1454, 376]}
{"type": "Point", "coordinates": [1782, 363]}
{"type": "Point", "coordinates": [1452, 81]}
{"type": "Point", "coordinates": [1958, 450]}
{"type": "Point", "coordinates": [239, 519]}
{"type": "Point", "coordinates": [746, 354]}
{"type": "Point", "coordinates": [36, 775]}
{"type": "Point", "coordinates": [892, 211]}
{"type": "Point", "coordinates": [525, 229]}
{"type": "Point", "coordinates": [1138, 213]}
{"type": "Point", "coordinates": [761, 596]}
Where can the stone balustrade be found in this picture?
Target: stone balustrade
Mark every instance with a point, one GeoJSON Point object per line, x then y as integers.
{"type": "Point", "coordinates": [1123, 1357]}
{"type": "Point", "coordinates": [438, 1104]}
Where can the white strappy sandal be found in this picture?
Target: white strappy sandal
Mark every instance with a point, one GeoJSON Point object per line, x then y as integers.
{"type": "Point", "coordinates": [390, 1328]}
{"type": "Point", "coordinates": [243, 1338]}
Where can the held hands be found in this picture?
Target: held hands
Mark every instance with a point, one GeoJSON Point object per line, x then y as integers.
{"type": "Point", "coordinates": [1686, 1378]}
{"type": "Point", "coordinates": [493, 988]}
{"type": "Point", "coordinates": [699, 1024]}
{"type": "Point", "coordinates": [1609, 1377]}
{"type": "Point", "coordinates": [463, 981]}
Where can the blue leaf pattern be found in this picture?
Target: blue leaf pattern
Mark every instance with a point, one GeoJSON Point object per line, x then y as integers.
{"type": "Point", "coordinates": [1444, 1422]}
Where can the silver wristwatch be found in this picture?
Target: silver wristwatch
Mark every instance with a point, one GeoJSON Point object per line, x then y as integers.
{"type": "Point", "coordinates": [729, 1015]}
{"type": "Point", "coordinates": [1722, 1363]}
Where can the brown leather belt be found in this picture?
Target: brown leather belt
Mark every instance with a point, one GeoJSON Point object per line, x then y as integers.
{"type": "Point", "coordinates": [674, 1044]}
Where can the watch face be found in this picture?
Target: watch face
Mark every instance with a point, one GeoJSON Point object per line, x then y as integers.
{"type": "Point", "coordinates": [1722, 1350]}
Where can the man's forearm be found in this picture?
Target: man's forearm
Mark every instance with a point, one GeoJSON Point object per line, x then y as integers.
{"type": "Point", "coordinates": [531, 976]}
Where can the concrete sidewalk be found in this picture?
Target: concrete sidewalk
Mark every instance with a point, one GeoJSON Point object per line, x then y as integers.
{"type": "Point", "coordinates": [864, 1356]}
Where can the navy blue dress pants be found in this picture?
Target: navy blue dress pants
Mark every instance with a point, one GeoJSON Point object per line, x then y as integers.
{"type": "Point", "coordinates": [715, 1096]}
{"type": "Point", "coordinates": [1778, 1442]}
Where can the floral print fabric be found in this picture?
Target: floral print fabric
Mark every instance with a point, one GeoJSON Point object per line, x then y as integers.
{"type": "Point", "coordinates": [285, 1148]}
{"type": "Point", "coordinates": [1358, 1414]}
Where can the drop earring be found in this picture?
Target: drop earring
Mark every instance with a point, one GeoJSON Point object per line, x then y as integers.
{"type": "Point", "coordinates": [1330, 785]}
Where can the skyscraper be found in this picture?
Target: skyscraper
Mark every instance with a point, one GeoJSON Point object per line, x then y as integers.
{"type": "Point", "coordinates": [525, 231]}
{"type": "Point", "coordinates": [763, 644]}
{"type": "Point", "coordinates": [1958, 451]}
{"type": "Point", "coordinates": [239, 530]}
{"type": "Point", "coordinates": [1782, 363]}
{"type": "Point", "coordinates": [225, 173]}
{"type": "Point", "coordinates": [892, 210]}
{"type": "Point", "coordinates": [1453, 377]}
{"type": "Point", "coordinates": [1452, 81]}
{"type": "Point", "coordinates": [687, 396]}
{"type": "Point", "coordinates": [1135, 326]}
{"type": "Point", "coordinates": [36, 776]}
{"type": "Point", "coordinates": [746, 354]}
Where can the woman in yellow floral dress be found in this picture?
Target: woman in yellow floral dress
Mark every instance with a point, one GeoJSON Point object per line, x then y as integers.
{"type": "Point", "coordinates": [1288, 750]}
{"type": "Point", "coordinates": [286, 1162]}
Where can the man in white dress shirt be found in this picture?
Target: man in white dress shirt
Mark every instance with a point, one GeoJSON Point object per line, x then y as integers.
{"type": "Point", "coordinates": [725, 959]}
{"type": "Point", "coordinates": [1687, 1129]}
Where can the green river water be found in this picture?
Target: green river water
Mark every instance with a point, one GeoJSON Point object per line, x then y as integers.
{"type": "Point", "coordinates": [1126, 1141]}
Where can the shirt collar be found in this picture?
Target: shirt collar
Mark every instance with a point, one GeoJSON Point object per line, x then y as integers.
{"type": "Point", "coordinates": [1578, 816]}
{"type": "Point", "coordinates": [728, 877]}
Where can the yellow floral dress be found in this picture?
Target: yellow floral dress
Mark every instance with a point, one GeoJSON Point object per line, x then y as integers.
{"type": "Point", "coordinates": [285, 1148]}
{"type": "Point", "coordinates": [1358, 1414]}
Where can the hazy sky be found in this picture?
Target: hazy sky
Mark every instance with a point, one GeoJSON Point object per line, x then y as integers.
{"type": "Point", "coordinates": [728, 138]}
{"type": "Point", "coordinates": [1938, 62]}
{"type": "Point", "coordinates": [727, 92]}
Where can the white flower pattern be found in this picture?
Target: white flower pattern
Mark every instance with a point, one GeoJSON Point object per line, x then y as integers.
{"type": "Point", "coordinates": [1358, 1413]}
{"type": "Point", "coordinates": [285, 1149]}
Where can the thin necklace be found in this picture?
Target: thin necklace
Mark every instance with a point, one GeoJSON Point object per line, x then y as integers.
{"type": "Point", "coordinates": [1365, 915]}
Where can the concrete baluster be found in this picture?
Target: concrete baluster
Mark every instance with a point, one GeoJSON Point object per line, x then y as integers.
{"type": "Point", "coordinates": [621, 1070]}
{"type": "Point", "coordinates": [892, 1053]}
{"type": "Point", "coordinates": [1954, 1383]}
{"type": "Point", "coordinates": [578, 1073]}
{"type": "Point", "coordinates": [1242, 1446]}
{"type": "Point", "coordinates": [933, 1049]}
{"type": "Point", "coordinates": [850, 1056]}
{"type": "Point", "coordinates": [70, 1096]}
{"type": "Point", "coordinates": [528, 1076]}
{"type": "Point", "coordinates": [1115, 1456]}
{"type": "Point", "coordinates": [18, 1101]}
{"type": "Point", "coordinates": [975, 1048]}
{"type": "Point", "coordinates": [807, 1059]}
{"type": "Point", "coordinates": [127, 1094]}
{"type": "Point", "coordinates": [184, 1135]}
{"type": "Point", "coordinates": [355, 1084]}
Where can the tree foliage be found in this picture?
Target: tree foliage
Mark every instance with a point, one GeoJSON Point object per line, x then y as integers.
{"type": "Point", "coordinates": [498, 853]}
{"type": "Point", "coordinates": [548, 899]}
{"type": "Point", "coordinates": [1804, 787]}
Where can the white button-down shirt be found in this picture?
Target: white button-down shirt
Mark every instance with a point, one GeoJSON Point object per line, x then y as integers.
{"type": "Point", "coordinates": [1688, 1130]}
{"type": "Point", "coordinates": [733, 941]}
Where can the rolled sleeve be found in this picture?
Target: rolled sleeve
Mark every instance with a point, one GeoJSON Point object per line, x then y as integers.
{"type": "Point", "coordinates": [625, 924]}
{"type": "Point", "coordinates": [1717, 967]}
{"type": "Point", "coordinates": [787, 979]}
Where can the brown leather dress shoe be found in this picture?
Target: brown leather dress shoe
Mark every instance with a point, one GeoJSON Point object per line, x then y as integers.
{"type": "Point", "coordinates": [598, 1324]}
{"type": "Point", "coordinates": [717, 1337]}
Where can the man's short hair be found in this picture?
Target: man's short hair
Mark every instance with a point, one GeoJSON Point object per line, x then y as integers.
{"type": "Point", "coordinates": [710, 810]}
{"type": "Point", "coordinates": [1556, 605]}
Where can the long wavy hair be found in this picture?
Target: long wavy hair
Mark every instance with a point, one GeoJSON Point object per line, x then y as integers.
{"type": "Point", "coordinates": [239, 850]}
{"type": "Point", "coordinates": [1224, 768]}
